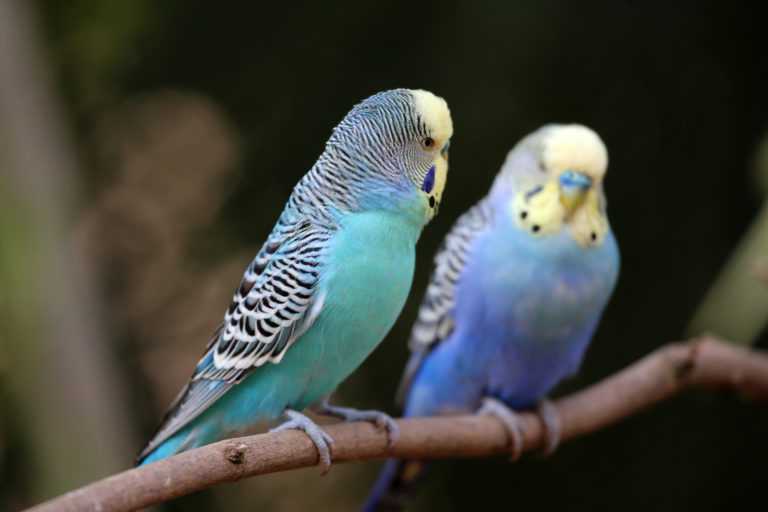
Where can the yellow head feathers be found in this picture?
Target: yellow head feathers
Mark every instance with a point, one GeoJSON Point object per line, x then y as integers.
{"type": "Point", "coordinates": [573, 147]}
{"type": "Point", "coordinates": [434, 112]}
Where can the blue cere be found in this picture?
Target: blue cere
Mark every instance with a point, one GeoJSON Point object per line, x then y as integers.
{"type": "Point", "coordinates": [575, 179]}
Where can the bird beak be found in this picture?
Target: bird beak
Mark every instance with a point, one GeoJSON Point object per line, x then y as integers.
{"type": "Point", "coordinates": [444, 151]}
{"type": "Point", "coordinates": [573, 189]}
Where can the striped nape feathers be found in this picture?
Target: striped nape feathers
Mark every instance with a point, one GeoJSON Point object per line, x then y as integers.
{"type": "Point", "coordinates": [556, 176]}
{"type": "Point", "coordinates": [399, 138]}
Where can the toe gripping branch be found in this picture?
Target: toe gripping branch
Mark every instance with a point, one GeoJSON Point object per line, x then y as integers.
{"type": "Point", "coordinates": [323, 442]}
{"type": "Point", "coordinates": [516, 427]}
{"type": "Point", "coordinates": [378, 418]}
{"type": "Point", "coordinates": [512, 423]}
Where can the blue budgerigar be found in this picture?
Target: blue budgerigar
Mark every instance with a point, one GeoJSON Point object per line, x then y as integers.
{"type": "Point", "coordinates": [518, 289]}
{"type": "Point", "coordinates": [327, 284]}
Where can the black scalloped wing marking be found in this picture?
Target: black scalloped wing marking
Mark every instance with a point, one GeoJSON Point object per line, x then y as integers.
{"type": "Point", "coordinates": [271, 311]}
{"type": "Point", "coordinates": [434, 322]}
{"type": "Point", "coordinates": [276, 301]}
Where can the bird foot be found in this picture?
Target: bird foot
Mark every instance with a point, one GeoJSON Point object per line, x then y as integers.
{"type": "Point", "coordinates": [378, 418]}
{"type": "Point", "coordinates": [323, 442]}
{"type": "Point", "coordinates": [552, 426]}
{"type": "Point", "coordinates": [511, 421]}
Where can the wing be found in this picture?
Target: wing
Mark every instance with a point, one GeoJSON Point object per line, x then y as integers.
{"type": "Point", "coordinates": [276, 301]}
{"type": "Point", "coordinates": [434, 322]}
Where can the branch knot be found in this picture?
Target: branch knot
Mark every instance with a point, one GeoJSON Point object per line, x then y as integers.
{"type": "Point", "coordinates": [235, 453]}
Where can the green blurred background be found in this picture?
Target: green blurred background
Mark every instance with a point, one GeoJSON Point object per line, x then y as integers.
{"type": "Point", "coordinates": [176, 131]}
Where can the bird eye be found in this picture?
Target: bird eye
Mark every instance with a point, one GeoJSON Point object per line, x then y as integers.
{"type": "Point", "coordinates": [428, 143]}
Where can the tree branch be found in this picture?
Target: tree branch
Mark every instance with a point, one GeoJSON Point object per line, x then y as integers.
{"type": "Point", "coordinates": [703, 363]}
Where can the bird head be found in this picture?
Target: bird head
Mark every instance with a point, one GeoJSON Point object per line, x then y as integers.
{"type": "Point", "coordinates": [555, 176]}
{"type": "Point", "coordinates": [398, 138]}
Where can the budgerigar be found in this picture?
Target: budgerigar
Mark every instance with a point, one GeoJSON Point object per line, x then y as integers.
{"type": "Point", "coordinates": [517, 291]}
{"type": "Point", "coordinates": [327, 284]}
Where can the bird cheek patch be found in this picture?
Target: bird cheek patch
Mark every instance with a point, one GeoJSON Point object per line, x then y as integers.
{"type": "Point", "coordinates": [428, 185]}
{"type": "Point", "coordinates": [539, 211]}
{"type": "Point", "coordinates": [429, 181]}
{"type": "Point", "coordinates": [589, 225]}
{"type": "Point", "coordinates": [434, 183]}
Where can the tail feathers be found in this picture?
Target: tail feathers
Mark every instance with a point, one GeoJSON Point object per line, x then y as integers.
{"type": "Point", "coordinates": [189, 437]}
{"type": "Point", "coordinates": [168, 448]}
{"type": "Point", "coordinates": [394, 486]}
{"type": "Point", "coordinates": [181, 441]}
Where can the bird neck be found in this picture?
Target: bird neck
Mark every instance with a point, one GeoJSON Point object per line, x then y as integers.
{"type": "Point", "coordinates": [401, 201]}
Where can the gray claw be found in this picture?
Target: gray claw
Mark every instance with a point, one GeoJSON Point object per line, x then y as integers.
{"type": "Point", "coordinates": [515, 427]}
{"type": "Point", "coordinates": [378, 418]}
{"type": "Point", "coordinates": [323, 442]}
{"type": "Point", "coordinates": [552, 426]}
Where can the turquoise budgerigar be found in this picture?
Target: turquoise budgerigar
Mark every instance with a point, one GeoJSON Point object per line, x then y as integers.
{"type": "Point", "coordinates": [327, 284]}
{"type": "Point", "coordinates": [518, 289]}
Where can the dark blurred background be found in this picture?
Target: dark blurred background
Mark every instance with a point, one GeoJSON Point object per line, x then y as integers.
{"type": "Point", "coordinates": [147, 148]}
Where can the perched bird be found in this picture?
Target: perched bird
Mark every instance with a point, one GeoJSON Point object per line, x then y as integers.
{"type": "Point", "coordinates": [327, 284]}
{"type": "Point", "coordinates": [517, 291]}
